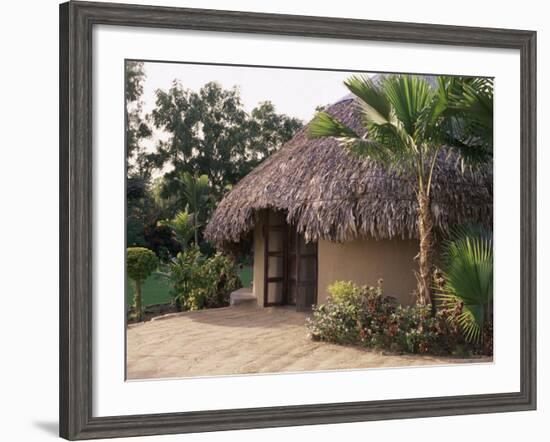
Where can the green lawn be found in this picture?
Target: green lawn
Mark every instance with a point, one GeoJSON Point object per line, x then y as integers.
{"type": "Point", "coordinates": [246, 276]}
{"type": "Point", "coordinates": [156, 289]}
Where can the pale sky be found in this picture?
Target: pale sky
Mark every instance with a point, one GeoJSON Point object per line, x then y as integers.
{"type": "Point", "coordinates": [293, 92]}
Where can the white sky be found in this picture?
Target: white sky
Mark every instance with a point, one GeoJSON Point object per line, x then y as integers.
{"type": "Point", "coordinates": [294, 92]}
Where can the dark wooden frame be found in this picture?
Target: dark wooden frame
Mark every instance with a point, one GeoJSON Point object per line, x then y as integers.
{"type": "Point", "coordinates": [300, 256]}
{"type": "Point", "coordinates": [285, 253]}
{"type": "Point", "coordinates": [283, 228]}
{"type": "Point", "coordinates": [76, 22]}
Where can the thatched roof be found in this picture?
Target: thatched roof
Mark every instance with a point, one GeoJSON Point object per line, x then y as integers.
{"type": "Point", "coordinates": [327, 192]}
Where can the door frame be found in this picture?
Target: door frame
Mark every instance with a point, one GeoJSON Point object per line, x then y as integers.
{"type": "Point", "coordinates": [267, 254]}
{"type": "Point", "coordinates": [287, 231]}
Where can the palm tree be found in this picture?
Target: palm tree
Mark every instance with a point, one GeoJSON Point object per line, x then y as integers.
{"type": "Point", "coordinates": [183, 225]}
{"type": "Point", "coordinates": [196, 190]}
{"type": "Point", "coordinates": [408, 123]}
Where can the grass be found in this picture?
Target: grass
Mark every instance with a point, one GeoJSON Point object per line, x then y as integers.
{"type": "Point", "coordinates": [156, 289]}
{"type": "Point", "coordinates": [245, 274]}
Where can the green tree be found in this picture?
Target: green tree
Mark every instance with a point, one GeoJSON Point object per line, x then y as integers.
{"type": "Point", "coordinates": [141, 210]}
{"type": "Point", "coordinates": [140, 207]}
{"type": "Point", "coordinates": [407, 125]}
{"type": "Point", "coordinates": [267, 131]}
{"type": "Point", "coordinates": [210, 133]}
{"type": "Point", "coordinates": [140, 263]}
{"type": "Point", "coordinates": [183, 225]}
{"type": "Point", "coordinates": [197, 192]}
{"type": "Point", "coordinates": [137, 127]}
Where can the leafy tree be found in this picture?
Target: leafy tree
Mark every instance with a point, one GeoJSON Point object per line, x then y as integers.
{"type": "Point", "coordinates": [267, 131]}
{"type": "Point", "coordinates": [140, 263]}
{"type": "Point", "coordinates": [209, 133]}
{"type": "Point", "coordinates": [141, 211]}
{"type": "Point", "coordinates": [162, 240]}
{"type": "Point", "coordinates": [140, 207]}
{"type": "Point", "coordinates": [137, 128]}
{"type": "Point", "coordinates": [408, 123]}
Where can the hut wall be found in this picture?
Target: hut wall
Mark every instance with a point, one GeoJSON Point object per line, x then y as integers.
{"type": "Point", "coordinates": [258, 275]}
{"type": "Point", "coordinates": [366, 260]}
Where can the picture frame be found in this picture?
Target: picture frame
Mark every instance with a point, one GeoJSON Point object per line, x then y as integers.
{"type": "Point", "coordinates": [77, 20]}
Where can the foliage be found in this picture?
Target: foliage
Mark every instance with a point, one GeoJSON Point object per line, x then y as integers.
{"type": "Point", "coordinates": [137, 127]}
{"type": "Point", "coordinates": [196, 191]}
{"type": "Point", "coordinates": [162, 240]}
{"type": "Point", "coordinates": [141, 211]}
{"type": "Point", "coordinates": [470, 112]}
{"type": "Point", "coordinates": [364, 316]}
{"type": "Point", "coordinates": [408, 123]}
{"type": "Point", "coordinates": [344, 291]}
{"type": "Point", "coordinates": [267, 131]}
{"type": "Point", "coordinates": [183, 226]}
{"type": "Point", "coordinates": [467, 279]}
{"type": "Point", "coordinates": [140, 263]}
{"type": "Point", "coordinates": [135, 232]}
{"type": "Point", "coordinates": [201, 282]}
{"type": "Point", "coordinates": [211, 134]}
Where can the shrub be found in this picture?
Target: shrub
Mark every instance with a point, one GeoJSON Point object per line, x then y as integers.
{"type": "Point", "coordinates": [201, 282]}
{"type": "Point", "coordinates": [363, 315]}
{"type": "Point", "coordinates": [341, 318]}
{"type": "Point", "coordinates": [162, 240]}
{"type": "Point", "coordinates": [467, 281]}
{"type": "Point", "coordinates": [334, 322]}
{"type": "Point", "coordinates": [344, 291]}
{"type": "Point", "coordinates": [182, 225]}
{"type": "Point", "coordinates": [140, 263]}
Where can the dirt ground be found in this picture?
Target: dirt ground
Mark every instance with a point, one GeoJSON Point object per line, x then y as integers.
{"type": "Point", "coordinates": [238, 340]}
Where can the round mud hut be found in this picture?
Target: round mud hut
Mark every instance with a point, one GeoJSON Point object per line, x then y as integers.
{"type": "Point", "coordinates": [317, 214]}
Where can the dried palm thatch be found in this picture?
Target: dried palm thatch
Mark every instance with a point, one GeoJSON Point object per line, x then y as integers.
{"type": "Point", "coordinates": [327, 192]}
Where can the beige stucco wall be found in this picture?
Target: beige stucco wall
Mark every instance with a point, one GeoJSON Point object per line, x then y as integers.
{"type": "Point", "coordinates": [364, 261]}
{"type": "Point", "coordinates": [258, 272]}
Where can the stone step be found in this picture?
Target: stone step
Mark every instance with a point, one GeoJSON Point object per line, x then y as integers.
{"type": "Point", "coordinates": [242, 296]}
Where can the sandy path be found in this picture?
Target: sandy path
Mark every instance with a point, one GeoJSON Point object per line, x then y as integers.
{"type": "Point", "coordinates": [237, 340]}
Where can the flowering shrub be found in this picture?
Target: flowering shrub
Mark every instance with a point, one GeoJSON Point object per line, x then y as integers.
{"type": "Point", "coordinates": [363, 315]}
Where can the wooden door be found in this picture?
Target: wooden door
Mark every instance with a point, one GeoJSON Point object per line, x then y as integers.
{"type": "Point", "coordinates": [290, 265]}
{"type": "Point", "coordinates": [302, 272]}
{"type": "Point", "coordinates": [275, 260]}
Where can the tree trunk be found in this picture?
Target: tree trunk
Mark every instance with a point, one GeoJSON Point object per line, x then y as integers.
{"type": "Point", "coordinates": [137, 301]}
{"type": "Point", "coordinates": [425, 230]}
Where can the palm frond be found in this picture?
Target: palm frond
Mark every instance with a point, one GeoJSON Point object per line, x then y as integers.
{"type": "Point", "coordinates": [468, 276]}
{"type": "Point", "coordinates": [409, 97]}
{"type": "Point", "coordinates": [380, 117]}
{"type": "Point", "coordinates": [324, 125]}
{"type": "Point", "coordinates": [374, 102]}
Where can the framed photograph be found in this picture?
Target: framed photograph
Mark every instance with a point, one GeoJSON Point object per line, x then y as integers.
{"type": "Point", "coordinates": [271, 220]}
